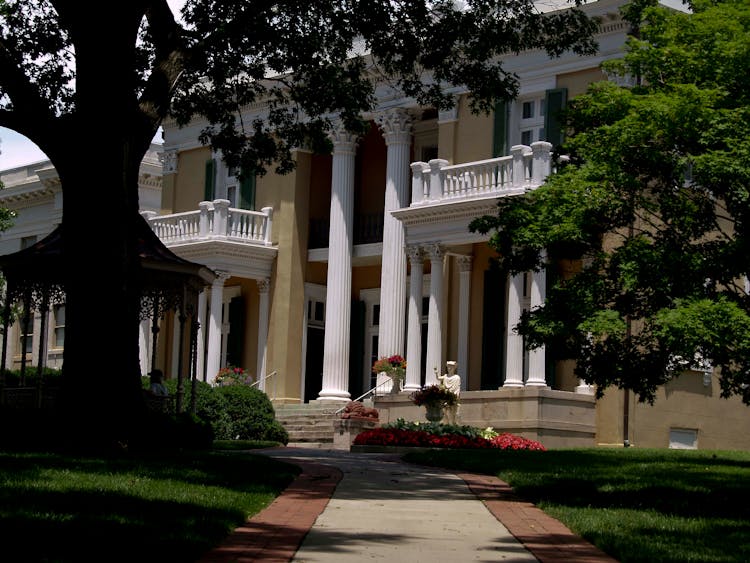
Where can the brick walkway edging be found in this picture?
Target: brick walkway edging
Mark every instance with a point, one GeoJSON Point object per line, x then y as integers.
{"type": "Point", "coordinates": [546, 538]}
{"type": "Point", "coordinates": [276, 532]}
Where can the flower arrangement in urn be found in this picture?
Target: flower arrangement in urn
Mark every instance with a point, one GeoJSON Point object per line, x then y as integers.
{"type": "Point", "coordinates": [433, 396]}
{"type": "Point", "coordinates": [232, 375]}
{"type": "Point", "coordinates": [394, 366]}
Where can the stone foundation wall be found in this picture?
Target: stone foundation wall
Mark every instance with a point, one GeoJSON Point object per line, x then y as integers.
{"type": "Point", "coordinates": [557, 419]}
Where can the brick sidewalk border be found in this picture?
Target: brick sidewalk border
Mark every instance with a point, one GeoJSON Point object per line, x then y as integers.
{"type": "Point", "coordinates": [546, 538]}
{"type": "Point", "coordinates": [275, 533]}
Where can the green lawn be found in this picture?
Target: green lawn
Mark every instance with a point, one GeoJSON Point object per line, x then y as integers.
{"type": "Point", "coordinates": [635, 504]}
{"type": "Point", "coordinates": [171, 507]}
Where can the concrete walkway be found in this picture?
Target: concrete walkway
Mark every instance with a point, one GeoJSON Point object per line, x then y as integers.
{"type": "Point", "coordinates": [350, 507]}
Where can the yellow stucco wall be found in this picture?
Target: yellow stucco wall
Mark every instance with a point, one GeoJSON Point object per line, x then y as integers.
{"type": "Point", "coordinates": [473, 135]}
{"type": "Point", "coordinates": [189, 182]}
{"type": "Point", "coordinates": [287, 289]}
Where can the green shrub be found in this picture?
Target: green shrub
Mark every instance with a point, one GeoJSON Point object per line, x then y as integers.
{"type": "Point", "coordinates": [252, 414]}
{"type": "Point", "coordinates": [234, 412]}
{"type": "Point", "coordinates": [51, 376]}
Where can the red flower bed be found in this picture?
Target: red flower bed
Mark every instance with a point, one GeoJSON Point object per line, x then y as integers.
{"type": "Point", "coordinates": [419, 438]}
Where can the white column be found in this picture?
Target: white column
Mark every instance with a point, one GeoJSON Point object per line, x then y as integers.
{"type": "Point", "coordinates": [263, 286]}
{"type": "Point", "coordinates": [537, 363]}
{"type": "Point", "coordinates": [200, 345]}
{"type": "Point", "coordinates": [173, 372]}
{"type": "Point", "coordinates": [464, 306]}
{"type": "Point", "coordinates": [434, 359]}
{"type": "Point", "coordinates": [396, 127]}
{"type": "Point", "coordinates": [213, 357]}
{"type": "Point", "coordinates": [339, 284]}
{"type": "Point", "coordinates": [513, 340]}
{"type": "Point", "coordinates": [143, 345]}
{"type": "Point", "coordinates": [414, 332]}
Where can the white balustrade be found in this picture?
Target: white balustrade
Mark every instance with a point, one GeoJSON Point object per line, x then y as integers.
{"type": "Point", "coordinates": [213, 220]}
{"type": "Point", "coordinates": [524, 169]}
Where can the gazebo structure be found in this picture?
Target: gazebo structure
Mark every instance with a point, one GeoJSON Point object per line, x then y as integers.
{"type": "Point", "coordinates": [168, 283]}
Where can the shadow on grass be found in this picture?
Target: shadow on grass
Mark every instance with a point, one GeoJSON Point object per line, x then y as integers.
{"type": "Point", "coordinates": [130, 508]}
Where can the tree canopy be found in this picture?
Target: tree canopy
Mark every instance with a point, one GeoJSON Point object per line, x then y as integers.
{"type": "Point", "coordinates": [71, 72]}
{"type": "Point", "coordinates": [645, 225]}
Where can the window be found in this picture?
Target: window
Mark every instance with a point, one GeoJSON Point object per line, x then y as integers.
{"type": "Point", "coordinates": [683, 439]}
{"type": "Point", "coordinates": [26, 344]}
{"type": "Point", "coordinates": [58, 313]}
{"type": "Point", "coordinates": [532, 120]}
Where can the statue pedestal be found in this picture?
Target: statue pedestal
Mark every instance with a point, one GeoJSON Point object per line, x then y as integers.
{"type": "Point", "coordinates": [346, 429]}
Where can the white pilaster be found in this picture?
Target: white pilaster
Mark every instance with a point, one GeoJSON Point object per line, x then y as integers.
{"type": "Point", "coordinates": [200, 345]}
{"type": "Point", "coordinates": [213, 357]}
{"type": "Point", "coordinates": [173, 372]}
{"type": "Point", "coordinates": [396, 127]}
{"type": "Point", "coordinates": [434, 359]}
{"type": "Point", "coordinates": [414, 332]}
{"type": "Point", "coordinates": [537, 363]}
{"type": "Point", "coordinates": [263, 286]}
{"type": "Point", "coordinates": [464, 306]}
{"type": "Point", "coordinates": [513, 340]}
{"type": "Point", "coordinates": [143, 347]}
{"type": "Point", "coordinates": [339, 285]}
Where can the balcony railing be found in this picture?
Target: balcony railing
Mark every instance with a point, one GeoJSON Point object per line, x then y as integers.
{"type": "Point", "coordinates": [437, 181]}
{"type": "Point", "coordinates": [213, 220]}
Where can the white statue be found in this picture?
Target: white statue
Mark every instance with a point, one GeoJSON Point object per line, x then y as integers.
{"type": "Point", "coordinates": [452, 382]}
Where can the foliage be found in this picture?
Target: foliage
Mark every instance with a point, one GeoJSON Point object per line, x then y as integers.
{"type": "Point", "coordinates": [433, 396]}
{"type": "Point", "coordinates": [634, 504]}
{"type": "Point", "coordinates": [233, 412]}
{"type": "Point", "coordinates": [427, 435]}
{"type": "Point", "coordinates": [252, 414]}
{"type": "Point", "coordinates": [50, 376]}
{"type": "Point", "coordinates": [232, 375]}
{"type": "Point", "coordinates": [645, 231]}
{"type": "Point", "coordinates": [171, 506]}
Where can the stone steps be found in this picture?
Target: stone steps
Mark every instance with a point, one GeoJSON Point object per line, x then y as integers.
{"type": "Point", "coordinates": [310, 424]}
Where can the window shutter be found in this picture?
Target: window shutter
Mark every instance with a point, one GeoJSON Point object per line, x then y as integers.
{"type": "Point", "coordinates": [553, 125]}
{"type": "Point", "coordinates": [247, 190]}
{"type": "Point", "coordinates": [500, 130]}
{"type": "Point", "coordinates": [209, 191]}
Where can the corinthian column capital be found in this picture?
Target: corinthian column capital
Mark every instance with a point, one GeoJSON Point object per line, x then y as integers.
{"type": "Point", "coordinates": [344, 141]}
{"type": "Point", "coordinates": [395, 124]}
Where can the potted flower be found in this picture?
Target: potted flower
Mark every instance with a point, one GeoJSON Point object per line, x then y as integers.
{"type": "Point", "coordinates": [434, 398]}
{"type": "Point", "coordinates": [394, 367]}
{"type": "Point", "coordinates": [232, 375]}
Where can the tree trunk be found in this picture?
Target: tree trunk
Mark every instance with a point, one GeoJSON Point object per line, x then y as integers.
{"type": "Point", "coordinates": [101, 396]}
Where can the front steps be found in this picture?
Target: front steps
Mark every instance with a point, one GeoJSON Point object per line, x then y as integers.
{"type": "Point", "coordinates": [309, 425]}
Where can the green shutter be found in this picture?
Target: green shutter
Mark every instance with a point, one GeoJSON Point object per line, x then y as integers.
{"type": "Point", "coordinates": [247, 190]}
{"type": "Point", "coordinates": [500, 130]}
{"type": "Point", "coordinates": [210, 181]}
{"type": "Point", "coordinates": [553, 126]}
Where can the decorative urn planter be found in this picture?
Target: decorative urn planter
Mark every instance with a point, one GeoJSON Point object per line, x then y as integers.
{"type": "Point", "coordinates": [434, 413]}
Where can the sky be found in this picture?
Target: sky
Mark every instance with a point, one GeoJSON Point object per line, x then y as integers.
{"type": "Point", "coordinates": [17, 150]}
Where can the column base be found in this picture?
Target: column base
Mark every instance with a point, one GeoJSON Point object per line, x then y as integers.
{"type": "Point", "coordinates": [584, 389]}
{"type": "Point", "coordinates": [512, 384]}
{"type": "Point", "coordinates": [334, 395]}
{"type": "Point", "coordinates": [531, 383]}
